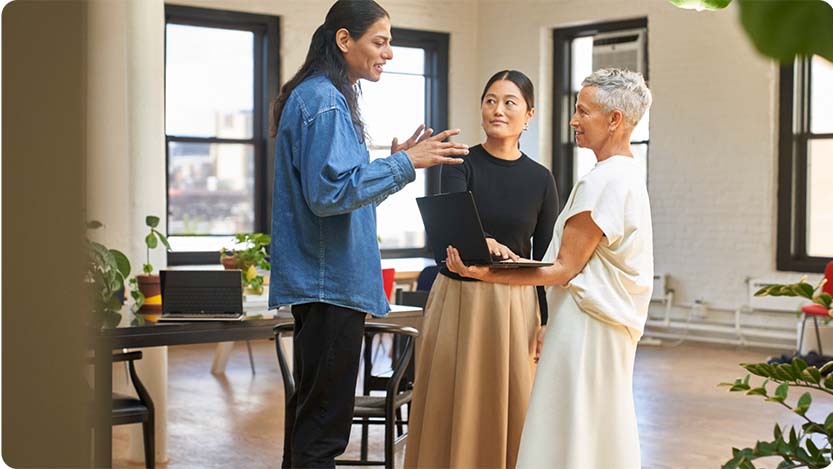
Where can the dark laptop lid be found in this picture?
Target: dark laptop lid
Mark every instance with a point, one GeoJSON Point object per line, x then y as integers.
{"type": "Point", "coordinates": [452, 219]}
{"type": "Point", "coordinates": [201, 291]}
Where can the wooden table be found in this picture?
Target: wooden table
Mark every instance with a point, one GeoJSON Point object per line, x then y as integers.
{"type": "Point", "coordinates": [185, 333]}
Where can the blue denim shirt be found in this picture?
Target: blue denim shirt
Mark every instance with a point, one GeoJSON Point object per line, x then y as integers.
{"type": "Point", "coordinates": [324, 246]}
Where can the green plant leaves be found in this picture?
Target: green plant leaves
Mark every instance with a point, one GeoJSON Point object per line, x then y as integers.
{"type": "Point", "coordinates": [122, 263]}
{"type": "Point", "coordinates": [700, 5]}
{"type": "Point", "coordinates": [803, 404]}
{"type": "Point", "coordinates": [152, 221]}
{"type": "Point", "coordinates": [784, 29]}
{"type": "Point", "coordinates": [824, 299]}
{"type": "Point", "coordinates": [151, 241]}
{"type": "Point", "coordinates": [164, 240]}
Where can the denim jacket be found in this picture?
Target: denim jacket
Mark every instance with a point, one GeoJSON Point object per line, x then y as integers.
{"type": "Point", "coordinates": [324, 246]}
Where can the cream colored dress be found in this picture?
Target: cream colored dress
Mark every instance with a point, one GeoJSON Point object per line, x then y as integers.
{"type": "Point", "coordinates": [581, 413]}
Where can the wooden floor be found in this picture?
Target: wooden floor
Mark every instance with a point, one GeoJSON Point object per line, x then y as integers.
{"type": "Point", "coordinates": [685, 421]}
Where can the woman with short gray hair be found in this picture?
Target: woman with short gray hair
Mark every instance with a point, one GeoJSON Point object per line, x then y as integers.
{"type": "Point", "coordinates": [581, 413]}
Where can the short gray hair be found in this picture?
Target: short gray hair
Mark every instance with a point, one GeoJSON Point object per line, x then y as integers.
{"type": "Point", "coordinates": [621, 89]}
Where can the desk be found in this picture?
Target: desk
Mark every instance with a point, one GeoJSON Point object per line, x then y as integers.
{"type": "Point", "coordinates": [156, 335]}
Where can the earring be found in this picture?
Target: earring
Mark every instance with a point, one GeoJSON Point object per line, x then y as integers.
{"type": "Point", "coordinates": [526, 126]}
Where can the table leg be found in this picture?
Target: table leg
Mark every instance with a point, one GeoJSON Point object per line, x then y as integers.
{"type": "Point", "coordinates": [102, 448]}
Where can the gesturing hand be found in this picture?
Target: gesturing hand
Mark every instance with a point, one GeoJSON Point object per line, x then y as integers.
{"type": "Point", "coordinates": [395, 146]}
{"type": "Point", "coordinates": [432, 151]}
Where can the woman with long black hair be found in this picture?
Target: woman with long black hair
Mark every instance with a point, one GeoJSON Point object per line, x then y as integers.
{"type": "Point", "coordinates": [324, 252]}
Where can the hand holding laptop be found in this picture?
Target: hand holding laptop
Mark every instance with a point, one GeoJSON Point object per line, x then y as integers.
{"type": "Point", "coordinates": [455, 264]}
{"type": "Point", "coordinates": [499, 251]}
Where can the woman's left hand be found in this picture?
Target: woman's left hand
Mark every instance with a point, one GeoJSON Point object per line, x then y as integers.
{"type": "Point", "coordinates": [540, 343]}
{"type": "Point", "coordinates": [455, 264]}
{"type": "Point", "coordinates": [395, 146]}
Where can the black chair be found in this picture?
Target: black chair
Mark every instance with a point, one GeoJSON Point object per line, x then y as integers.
{"type": "Point", "coordinates": [367, 410]}
{"type": "Point", "coordinates": [128, 409]}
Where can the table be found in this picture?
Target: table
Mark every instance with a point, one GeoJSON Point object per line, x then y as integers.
{"type": "Point", "coordinates": [156, 335]}
{"type": "Point", "coordinates": [407, 269]}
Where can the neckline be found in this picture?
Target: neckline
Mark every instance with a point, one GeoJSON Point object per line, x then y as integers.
{"type": "Point", "coordinates": [500, 161]}
{"type": "Point", "coordinates": [599, 163]}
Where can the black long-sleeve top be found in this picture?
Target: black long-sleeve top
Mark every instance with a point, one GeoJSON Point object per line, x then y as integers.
{"type": "Point", "coordinates": [516, 200]}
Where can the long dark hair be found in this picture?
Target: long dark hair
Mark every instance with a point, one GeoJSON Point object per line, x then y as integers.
{"type": "Point", "coordinates": [518, 78]}
{"type": "Point", "coordinates": [324, 56]}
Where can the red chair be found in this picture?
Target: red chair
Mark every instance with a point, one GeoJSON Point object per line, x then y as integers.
{"type": "Point", "coordinates": [817, 310]}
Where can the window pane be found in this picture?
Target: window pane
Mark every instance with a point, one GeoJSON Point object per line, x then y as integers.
{"type": "Point", "coordinates": [393, 107]}
{"type": "Point", "coordinates": [821, 95]}
{"type": "Point", "coordinates": [406, 60]}
{"type": "Point", "coordinates": [399, 222]}
{"type": "Point", "coordinates": [820, 198]}
{"type": "Point", "coordinates": [582, 51]}
{"type": "Point", "coordinates": [210, 188]}
{"type": "Point", "coordinates": [209, 84]}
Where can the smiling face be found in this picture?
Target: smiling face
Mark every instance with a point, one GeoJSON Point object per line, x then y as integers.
{"type": "Point", "coordinates": [504, 111]}
{"type": "Point", "coordinates": [590, 122]}
{"type": "Point", "coordinates": [367, 55]}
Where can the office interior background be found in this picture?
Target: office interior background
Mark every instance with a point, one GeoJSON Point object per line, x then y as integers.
{"type": "Point", "coordinates": [172, 98]}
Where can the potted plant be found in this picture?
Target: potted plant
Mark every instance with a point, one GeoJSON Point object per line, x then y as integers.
{"type": "Point", "coordinates": [146, 291]}
{"type": "Point", "coordinates": [105, 274]}
{"type": "Point", "coordinates": [805, 290]}
{"type": "Point", "coordinates": [805, 446]}
{"type": "Point", "coordinates": [249, 255]}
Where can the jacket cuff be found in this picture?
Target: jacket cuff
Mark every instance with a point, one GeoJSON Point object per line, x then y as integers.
{"type": "Point", "coordinates": [402, 168]}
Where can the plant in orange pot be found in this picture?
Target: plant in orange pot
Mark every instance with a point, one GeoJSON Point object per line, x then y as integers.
{"type": "Point", "coordinates": [146, 291]}
{"type": "Point", "coordinates": [249, 255]}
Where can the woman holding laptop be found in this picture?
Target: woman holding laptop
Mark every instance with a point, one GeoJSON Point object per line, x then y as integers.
{"type": "Point", "coordinates": [478, 343]}
{"type": "Point", "coordinates": [581, 413]}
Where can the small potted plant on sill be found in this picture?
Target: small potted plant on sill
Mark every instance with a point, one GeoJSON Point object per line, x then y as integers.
{"type": "Point", "coordinates": [146, 291]}
{"type": "Point", "coordinates": [105, 274]}
{"type": "Point", "coordinates": [249, 256]}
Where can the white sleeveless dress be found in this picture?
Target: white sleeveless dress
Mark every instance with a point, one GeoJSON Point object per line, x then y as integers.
{"type": "Point", "coordinates": [581, 413]}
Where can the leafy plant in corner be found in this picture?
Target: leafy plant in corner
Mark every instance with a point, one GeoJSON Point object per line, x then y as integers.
{"type": "Point", "coordinates": [105, 274]}
{"type": "Point", "coordinates": [249, 256]}
{"type": "Point", "coordinates": [152, 241]}
{"type": "Point", "coordinates": [802, 289]}
{"type": "Point", "coordinates": [806, 446]}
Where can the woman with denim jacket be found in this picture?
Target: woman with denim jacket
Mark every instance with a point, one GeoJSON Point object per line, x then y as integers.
{"type": "Point", "coordinates": [475, 357]}
{"type": "Point", "coordinates": [324, 252]}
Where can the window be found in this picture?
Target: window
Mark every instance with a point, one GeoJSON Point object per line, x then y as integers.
{"type": "Point", "coordinates": [578, 52]}
{"type": "Point", "coordinates": [805, 167]}
{"type": "Point", "coordinates": [221, 72]}
{"type": "Point", "coordinates": [413, 90]}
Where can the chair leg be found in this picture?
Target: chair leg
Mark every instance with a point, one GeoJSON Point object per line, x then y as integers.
{"type": "Point", "coordinates": [363, 450]}
{"type": "Point", "coordinates": [149, 440]}
{"type": "Point", "coordinates": [399, 421]}
{"type": "Point", "coordinates": [818, 335]}
{"type": "Point", "coordinates": [251, 358]}
{"type": "Point", "coordinates": [389, 439]}
{"type": "Point", "coordinates": [801, 334]}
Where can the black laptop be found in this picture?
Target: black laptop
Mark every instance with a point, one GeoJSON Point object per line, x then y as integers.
{"type": "Point", "coordinates": [201, 295]}
{"type": "Point", "coordinates": [452, 220]}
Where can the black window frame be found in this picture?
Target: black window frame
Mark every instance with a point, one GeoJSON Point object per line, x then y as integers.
{"type": "Point", "coordinates": [563, 141]}
{"type": "Point", "coordinates": [794, 136]}
{"type": "Point", "coordinates": [266, 29]}
{"type": "Point", "coordinates": [435, 45]}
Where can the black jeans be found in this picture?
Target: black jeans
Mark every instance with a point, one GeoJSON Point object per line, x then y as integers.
{"type": "Point", "coordinates": [326, 351]}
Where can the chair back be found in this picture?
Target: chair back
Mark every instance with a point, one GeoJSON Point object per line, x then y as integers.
{"type": "Point", "coordinates": [828, 274]}
{"type": "Point", "coordinates": [426, 278]}
{"type": "Point", "coordinates": [412, 298]}
{"type": "Point", "coordinates": [286, 372]}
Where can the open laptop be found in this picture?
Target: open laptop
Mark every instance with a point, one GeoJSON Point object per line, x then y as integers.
{"type": "Point", "coordinates": [201, 295]}
{"type": "Point", "coordinates": [452, 220]}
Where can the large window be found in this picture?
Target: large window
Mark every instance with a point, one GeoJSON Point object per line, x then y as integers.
{"type": "Point", "coordinates": [578, 51]}
{"type": "Point", "coordinates": [805, 185]}
{"type": "Point", "coordinates": [413, 91]}
{"type": "Point", "coordinates": [221, 71]}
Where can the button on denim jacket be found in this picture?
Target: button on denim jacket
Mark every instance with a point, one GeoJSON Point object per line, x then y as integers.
{"type": "Point", "coordinates": [324, 246]}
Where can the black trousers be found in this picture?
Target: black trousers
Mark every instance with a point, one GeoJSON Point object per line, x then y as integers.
{"type": "Point", "coordinates": [326, 351]}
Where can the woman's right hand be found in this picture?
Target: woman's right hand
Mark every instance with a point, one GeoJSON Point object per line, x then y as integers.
{"type": "Point", "coordinates": [433, 151]}
{"type": "Point", "coordinates": [500, 251]}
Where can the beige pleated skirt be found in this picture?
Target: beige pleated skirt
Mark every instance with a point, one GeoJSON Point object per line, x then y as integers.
{"type": "Point", "coordinates": [581, 413]}
{"type": "Point", "coordinates": [474, 374]}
